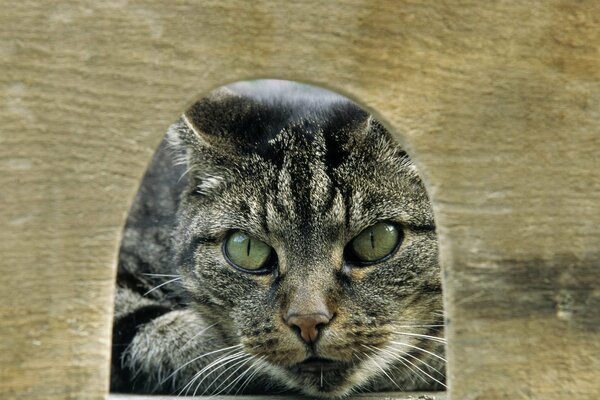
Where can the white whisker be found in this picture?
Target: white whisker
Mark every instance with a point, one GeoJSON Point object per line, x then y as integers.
{"type": "Point", "coordinates": [408, 367]}
{"type": "Point", "coordinates": [240, 377]}
{"type": "Point", "coordinates": [432, 338]}
{"type": "Point", "coordinates": [417, 367]}
{"type": "Point", "coordinates": [210, 368]}
{"type": "Point", "coordinates": [257, 370]}
{"type": "Point", "coordinates": [240, 365]}
{"type": "Point", "coordinates": [243, 359]}
{"type": "Point", "coordinates": [197, 375]}
{"type": "Point", "coordinates": [185, 173]}
{"type": "Point", "coordinates": [321, 377]}
{"type": "Point", "coordinates": [419, 321]}
{"type": "Point", "coordinates": [161, 285]}
{"type": "Point", "coordinates": [199, 357]}
{"type": "Point", "coordinates": [216, 365]}
{"type": "Point", "coordinates": [424, 362]}
{"type": "Point", "coordinates": [420, 349]}
{"type": "Point", "coordinates": [382, 370]}
{"type": "Point", "coordinates": [420, 326]}
{"type": "Point", "coordinates": [163, 275]}
{"type": "Point", "coordinates": [197, 335]}
{"type": "Point", "coordinates": [399, 358]}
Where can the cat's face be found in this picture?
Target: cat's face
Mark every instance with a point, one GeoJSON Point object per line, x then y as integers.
{"type": "Point", "coordinates": [310, 241]}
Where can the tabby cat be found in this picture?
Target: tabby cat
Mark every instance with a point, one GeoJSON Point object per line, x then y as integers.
{"type": "Point", "coordinates": [279, 242]}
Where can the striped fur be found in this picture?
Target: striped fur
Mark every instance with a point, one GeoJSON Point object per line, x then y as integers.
{"type": "Point", "coordinates": [305, 174]}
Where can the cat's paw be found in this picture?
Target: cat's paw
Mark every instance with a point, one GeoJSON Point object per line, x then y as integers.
{"type": "Point", "coordinates": [163, 352]}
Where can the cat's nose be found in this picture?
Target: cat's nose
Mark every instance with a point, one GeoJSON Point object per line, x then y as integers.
{"type": "Point", "coordinates": [309, 325]}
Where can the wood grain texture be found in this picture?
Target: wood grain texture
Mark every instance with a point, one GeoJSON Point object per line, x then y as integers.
{"type": "Point", "coordinates": [498, 103]}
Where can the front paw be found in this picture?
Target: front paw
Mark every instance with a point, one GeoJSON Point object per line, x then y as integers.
{"type": "Point", "coordinates": [159, 356]}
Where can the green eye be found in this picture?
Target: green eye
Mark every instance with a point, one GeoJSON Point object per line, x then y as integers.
{"type": "Point", "coordinates": [246, 252]}
{"type": "Point", "coordinates": [376, 242]}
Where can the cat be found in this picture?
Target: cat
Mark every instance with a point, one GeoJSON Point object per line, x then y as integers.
{"type": "Point", "coordinates": [280, 241]}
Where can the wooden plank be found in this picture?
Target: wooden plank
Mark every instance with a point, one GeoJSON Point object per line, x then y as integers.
{"type": "Point", "coordinates": [498, 103]}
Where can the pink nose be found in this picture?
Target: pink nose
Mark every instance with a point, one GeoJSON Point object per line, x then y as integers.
{"type": "Point", "coordinates": [309, 325]}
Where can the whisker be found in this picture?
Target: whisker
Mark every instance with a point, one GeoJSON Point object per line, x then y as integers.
{"type": "Point", "coordinates": [432, 338]}
{"type": "Point", "coordinates": [420, 349]}
{"type": "Point", "coordinates": [417, 367]}
{"type": "Point", "coordinates": [399, 358]}
{"type": "Point", "coordinates": [258, 368]}
{"type": "Point", "coordinates": [321, 377]}
{"type": "Point", "coordinates": [382, 370]}
{"type": "Point", "coordinates": [240, 365]}
{"type": "Point", "coordinates": [218, 365]}
{"type": "Point", "coordinates": [416, 373]}
{"type": "Point", "coordinates": [161, 285]}
{"type": "Point", "coordinates": [199, 357]}
{"type": "Point", "coordinates": [236, 362]}
{"type": "Point", "coordinates": [325, 380]}
{"type": "Point", "coordinates": [197, 375]}
{"type": "Point", "coordinates": [419, 321]}
{"type": "Point", "coordinates": [364, 387]}
{"type": "Point", "coordinates": [196, 335]}
{"type": "Point", "coordinates": [185, 173]}
{"type": "Point", "coordinates": [425, 362]}
{"type": "Point", "coordinates": [239, 378]}
{"type": "Point", "coordinates": [163, 275]}
{"type": "Point", "coordinates": [420, 326]}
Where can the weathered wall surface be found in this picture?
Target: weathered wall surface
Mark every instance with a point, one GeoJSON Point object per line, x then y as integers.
{"type": "Point", "coordinates": [499, 103]}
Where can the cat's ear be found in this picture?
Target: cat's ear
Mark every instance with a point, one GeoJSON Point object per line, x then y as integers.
{"type": "Point", "coordinates": [216, 120]}
{"type": "Point", "coordinates": [207, 139]}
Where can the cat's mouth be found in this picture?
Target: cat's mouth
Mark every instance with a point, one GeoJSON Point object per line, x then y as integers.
{"type": "Point", "coordinates": [319, 364]}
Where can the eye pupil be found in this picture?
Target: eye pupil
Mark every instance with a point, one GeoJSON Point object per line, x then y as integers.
{"type": "Point", "coordinates": [375, 243]}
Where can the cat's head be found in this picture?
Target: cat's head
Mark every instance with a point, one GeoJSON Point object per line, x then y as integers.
{"type": "Point", "coordinates": [307, 235]}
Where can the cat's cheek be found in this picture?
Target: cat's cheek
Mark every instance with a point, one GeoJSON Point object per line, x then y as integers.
{"type": "Point", "coordinates": [225, 286]}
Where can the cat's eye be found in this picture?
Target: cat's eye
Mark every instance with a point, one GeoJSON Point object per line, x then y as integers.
{"type": "Point", "coordinates": [375, 243]}
{"type": "Point", "coordinates": [247, 252]}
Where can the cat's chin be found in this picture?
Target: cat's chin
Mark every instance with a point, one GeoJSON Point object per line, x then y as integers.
{"type": "Point", "coordinates": [323, 378]}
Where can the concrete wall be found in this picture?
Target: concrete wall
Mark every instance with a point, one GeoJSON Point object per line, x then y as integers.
{"type": "Point", "coordinates": [498, 103]}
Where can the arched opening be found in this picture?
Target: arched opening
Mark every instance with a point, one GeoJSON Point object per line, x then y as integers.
{"type": "Point", "coordinates": [281, 240]}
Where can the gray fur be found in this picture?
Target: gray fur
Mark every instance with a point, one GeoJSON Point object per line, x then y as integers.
{"type": "Point", "coordinates": [305, 175]}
